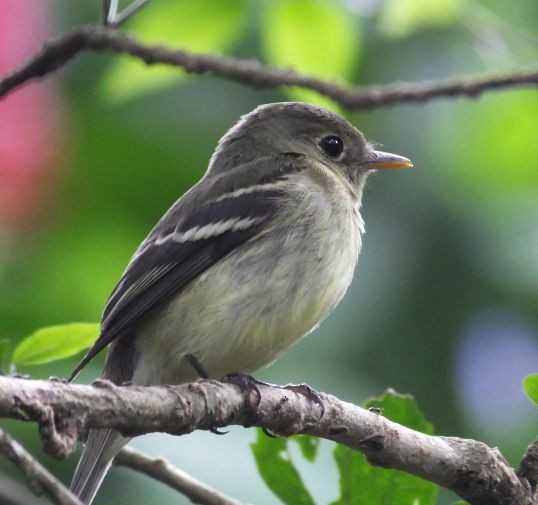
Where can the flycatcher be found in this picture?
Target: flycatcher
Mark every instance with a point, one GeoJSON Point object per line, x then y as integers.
{"type": "Point", "coordinates": [243, 265]}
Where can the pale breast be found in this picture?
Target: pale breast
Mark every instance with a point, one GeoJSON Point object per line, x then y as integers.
{"type": "Point", "coordinates": [249, 308]}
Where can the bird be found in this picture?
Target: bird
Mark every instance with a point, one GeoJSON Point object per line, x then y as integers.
{"type": "Point", "coordinates": [243, 265]}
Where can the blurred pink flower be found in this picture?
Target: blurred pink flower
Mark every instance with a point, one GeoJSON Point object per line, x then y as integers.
{"type": "Point", "coordinates": [30, 117]}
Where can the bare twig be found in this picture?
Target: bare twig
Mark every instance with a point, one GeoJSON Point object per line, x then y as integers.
{"type": "Point", "coordinates": [163, 471]}
{"type": "Point", "coordinates": [56, 53]}
{"type": "Point", "coordinates": [13, 492]}
{"type": "Point", "coordinates": [471, 469]}
{"type": "Point", "coordinates": [39, 479]}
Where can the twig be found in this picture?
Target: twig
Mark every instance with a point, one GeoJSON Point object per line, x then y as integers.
{"type": "Point", "coordinates": [13, 492]}
{"type": "Point", "coordinates": [163, 471]}
{"type": "Point", "coordinates": [39, 479]}
{"type": "Point", "coordinates": [471, 469]}
{"type": "Point", "coordinates": [56, 53]}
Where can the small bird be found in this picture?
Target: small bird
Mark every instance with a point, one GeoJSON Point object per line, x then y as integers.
{"type": "Point", "coordinates": [243, 265]}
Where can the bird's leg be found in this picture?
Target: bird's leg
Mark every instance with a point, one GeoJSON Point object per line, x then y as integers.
{"type": "Point", "coordinates": [203, 374]}
{"type": "Point", "coordinates": [243, 381]}
{"type": "Point", "coordinates": [197, 365]}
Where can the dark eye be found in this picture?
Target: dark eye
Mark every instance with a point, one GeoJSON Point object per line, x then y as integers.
{"type": "Point", "coordinates": [332, 146]}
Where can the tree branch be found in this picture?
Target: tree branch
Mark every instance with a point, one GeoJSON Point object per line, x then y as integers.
{"type": "Point", "coordinates": [38, 477]}
{"type": "Point", "coordinates": [56, 53]}
{"type": "Point", "coordinates": [528, 469]}
{"type": "Point", "coordinates": [65, 412]}
{"type": "Point", "coordinates": [163, 471]}
{"type": "Point", "coordinates": [13, 492]}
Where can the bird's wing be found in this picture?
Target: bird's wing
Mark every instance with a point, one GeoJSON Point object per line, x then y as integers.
{"type": "Point", "coordinates": [219, 214]}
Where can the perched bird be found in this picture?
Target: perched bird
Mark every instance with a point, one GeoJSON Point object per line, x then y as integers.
{"type": "Point", "coordinates": [243, 265]}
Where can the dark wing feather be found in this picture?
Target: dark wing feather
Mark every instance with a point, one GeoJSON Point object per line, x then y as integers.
{"type": "Point", "coordinates": [161, 268]}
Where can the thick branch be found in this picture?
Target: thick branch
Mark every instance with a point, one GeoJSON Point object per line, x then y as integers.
{"type": "Point", "coordinates": [38, 477]}
{"type": "Point", "coordinates": [471, 469]}
{"type": "Point", "coordinates": [56, 53]}
{"type": "Point", "coordinates": [177, 479]}
{"type": "Point", "coordinates": [528, 469]}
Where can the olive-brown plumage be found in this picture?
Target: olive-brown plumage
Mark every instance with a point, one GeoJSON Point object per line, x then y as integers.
{"type": "Point", "coordinates": [243, 265]}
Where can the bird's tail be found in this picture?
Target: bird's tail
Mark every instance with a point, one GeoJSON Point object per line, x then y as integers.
{"type": "Point", "coordinates": [99, 451]}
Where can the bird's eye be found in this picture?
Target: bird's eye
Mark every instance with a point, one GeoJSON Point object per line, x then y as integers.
{"type": "Point", "coordinates": [332, 146]}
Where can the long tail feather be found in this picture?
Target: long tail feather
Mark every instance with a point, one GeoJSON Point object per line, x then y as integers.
{"type": "Point", "coordinates": [99, 451]}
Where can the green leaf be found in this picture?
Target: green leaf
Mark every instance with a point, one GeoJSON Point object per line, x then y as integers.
{"type": "Point", "coordinates": [4, 353]}
{"type": "Point", "coordinates": [309, 446]}
{"type": "Point", "coordinates": [530, 386]}
{"type": "Point", "coordinates": [403, 17]}
{"type": "Point", "coordinates": [364, 484]}
{"type": "Point", "coordinates": [401, 409]}
{"type": "Point", "coordinates": [461, 502]}
{"type": "Point", "coordinates": [55, 342]}
{"type": "Point", "coordinates": [200, 26]}
{"type": "Point", "coordinates": [318, 37]}
{"type": "Point", "coordinates": [278, 472]}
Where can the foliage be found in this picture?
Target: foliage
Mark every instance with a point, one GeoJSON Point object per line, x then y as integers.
{"type": "Point", "coordinates": [445, 241]}
{"type": "Point", "coordinates": [360, 483]}
{"type": "Point", "coordinates": [54, 343]}
{"type": "Point", "coordinates": [278, 471]}
{"type": "Point", "coordinates": [530, 386]}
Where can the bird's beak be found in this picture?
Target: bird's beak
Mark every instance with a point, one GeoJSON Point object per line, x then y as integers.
{"type": "Point", "coordinates": [378, 160]}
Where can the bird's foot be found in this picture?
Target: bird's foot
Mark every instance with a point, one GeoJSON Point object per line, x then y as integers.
{"type": "Point", "coordinates": [216, 431]}
{"type": "Point", "coordinates": [17, 375]}
{"type": "Point", "coordinates": [302, 389]}
{"type": "Point", "coordinates": [249, 387]}
{"type": "Point", "coordinates": [247, 384]}
{"type": "Point", "coordinates": [53, 378]}
{"type": "Point", "coordinates": [308, 392]}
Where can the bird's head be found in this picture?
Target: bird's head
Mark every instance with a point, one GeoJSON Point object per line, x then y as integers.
{"type": "Point", "coordinates": [300, 128]}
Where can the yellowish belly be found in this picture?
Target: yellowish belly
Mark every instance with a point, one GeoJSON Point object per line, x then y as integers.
{"type": "Point", "coordinates": [249, 308]}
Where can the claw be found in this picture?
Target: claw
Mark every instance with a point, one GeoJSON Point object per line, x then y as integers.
{"type": "Point", "coordinates": [53, 378]}
{"type": "Point", "coordinates": [310, 393]}
{"type": "Point", "coordinates": [247, 384]}
{"type": "Point", "coordinates": [268, 432]}
{"type": "Point", "coordinates": [17, 375]}
{"type": "Point", "coordinates": [216, 431]}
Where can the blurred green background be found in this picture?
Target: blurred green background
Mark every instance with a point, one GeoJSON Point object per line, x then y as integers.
{"type": "Point", "coordinates": [444, 301]}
